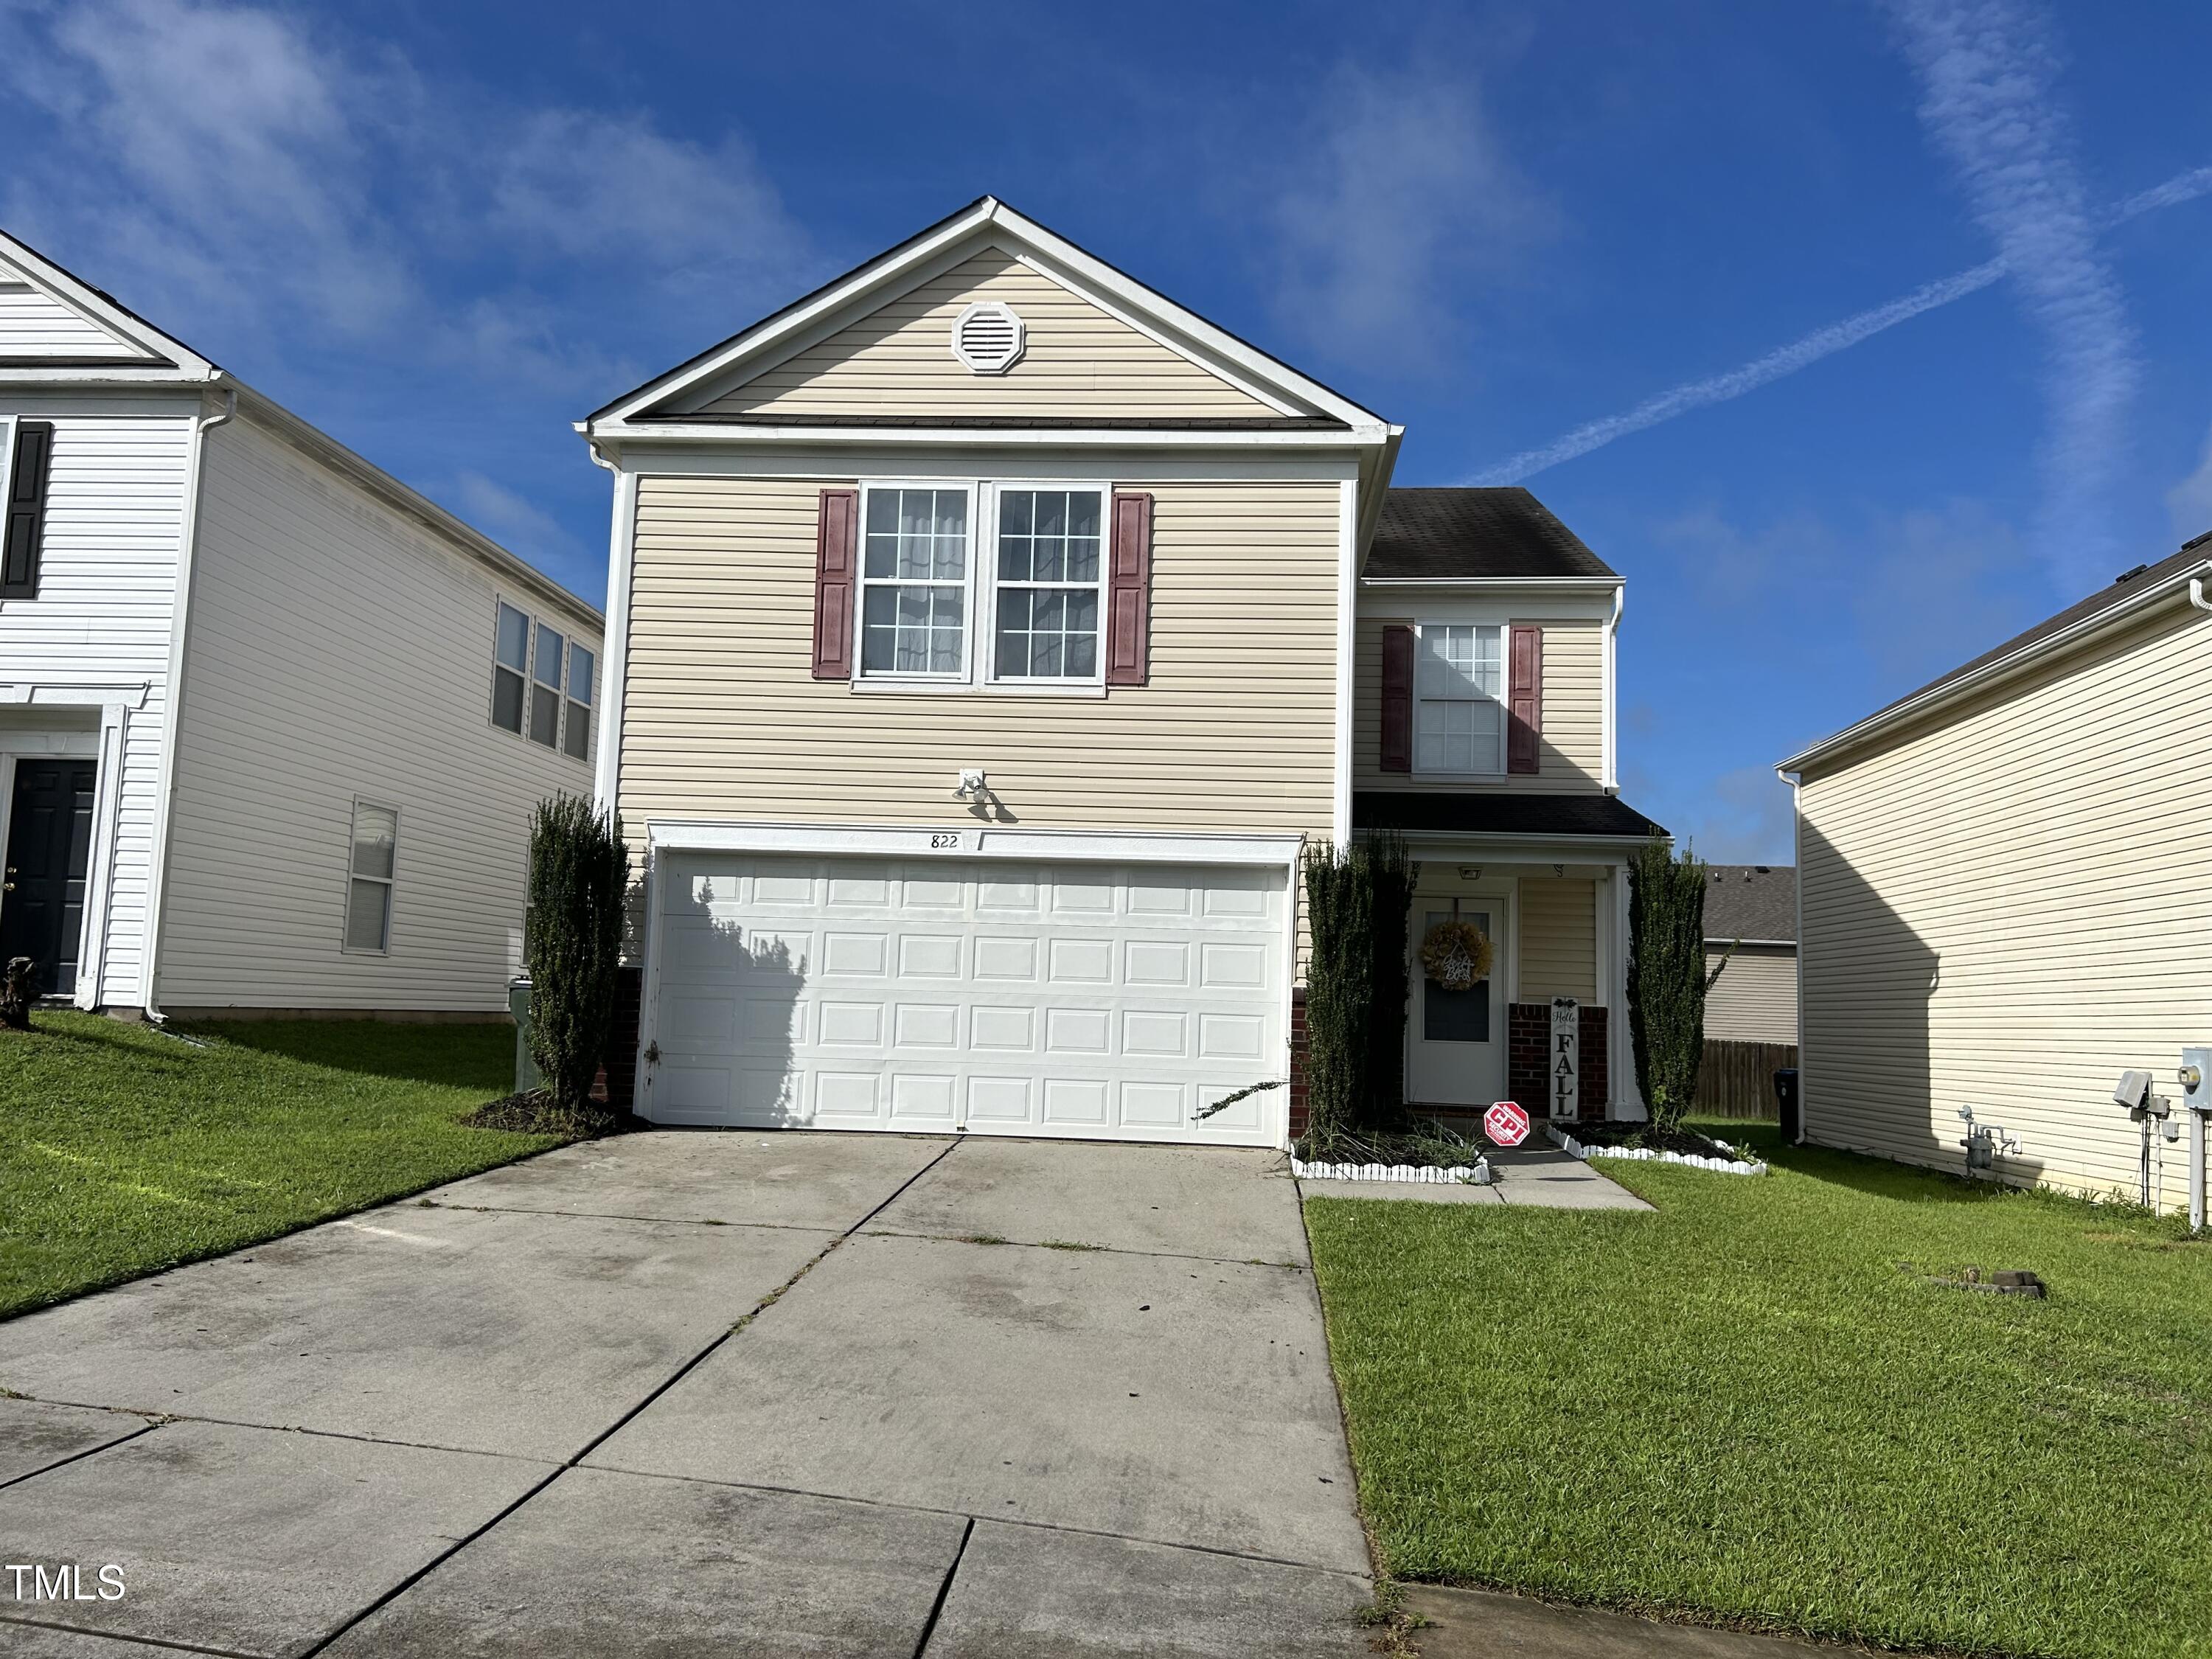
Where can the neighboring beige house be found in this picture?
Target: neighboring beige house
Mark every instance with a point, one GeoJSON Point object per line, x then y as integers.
{"type": "Point", "coordinates": [272, 723]}
{"type": "Point", "coordinates": [2008, 892]}
{"type": "Point", "coordinates": [989, 632]}
{"type": "Point", "coordinates": [1751, 937]}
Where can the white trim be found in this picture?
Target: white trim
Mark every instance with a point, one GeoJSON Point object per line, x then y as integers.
{"type": "Point", "coordinates": [1609, 763]}
{"type": "Point", "coordinates": [1501, 701]}
{"type": "Point", "coordinates": [965, 675]}
{"type": "Point", "coordinates": [831, 466]}
{"type": "Point", "coordinates": [2023, 657]}
{"type": "Point", "coordinates": [391, 882]}
{"type": "Point", "coordinates": [75, 694]}
{"type": "Point", "coordinates": [105, 315]}
{"type": "Point", "coordinates": [621, 541]}
{"type": "Point", "coordinates": [1089, 846]}
{"type": "Point", "coordinates": [988, 677]}
{"type": "Point", "coordinates": [1797, 896]}
{"type": "Point", "coordinates": [8, 457]}
{"type": "Point", "coordinates": [172, 700]}
{"type": "Point", "coordinates": [78, 744]}
{"type": "Point", "coordinates": [999, 437]}
{"type": "Point", "coordinates": [1478, 585]}
{"type": "Point", "coordinates": [100, 869]}
{"type": "Point", "coordinates": [1347, 626]}
{"type": "Point", "coordinates": [987, 221]}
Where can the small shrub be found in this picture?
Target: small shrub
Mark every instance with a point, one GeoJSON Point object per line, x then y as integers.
{"type": "Point", "coordinates": [579, 873]}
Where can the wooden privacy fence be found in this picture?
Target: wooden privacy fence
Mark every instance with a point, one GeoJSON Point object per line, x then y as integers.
{"type": "Point", "coordinates": [1736, 1080]}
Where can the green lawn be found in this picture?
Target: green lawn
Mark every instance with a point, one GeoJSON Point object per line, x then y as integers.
{"type": "Point", "coordinates": [1752, 1406]}
{"type": "Point", "coordinates": [124, 1150]}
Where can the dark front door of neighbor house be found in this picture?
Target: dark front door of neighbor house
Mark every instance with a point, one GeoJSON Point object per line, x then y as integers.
{"type": "Point", "coordinates": [49, 853]}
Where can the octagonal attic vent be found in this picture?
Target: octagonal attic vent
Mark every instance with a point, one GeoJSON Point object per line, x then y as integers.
{"type": "Point", "coordinates": [989, 338]}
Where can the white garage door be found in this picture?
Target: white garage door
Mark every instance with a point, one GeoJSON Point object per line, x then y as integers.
{"type": "Point", "coordinates": [1107, 1002]}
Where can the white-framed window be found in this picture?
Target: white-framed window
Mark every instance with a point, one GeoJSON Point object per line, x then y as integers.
{"type": "Point", "coordinates": [542, 682]}
{"type": "Point", "coordinates": [982, 583]}
{"type": "Point", "coordinates": [1047, 586]}
{"type": "Point", "coordinates": [371, 863]}
{"type": "Point", "coordinates": [915, 567]}
{"type": "Point", "coordinates": [1459, 706]}
{"type": "Point", "coordinates": [577, 734]}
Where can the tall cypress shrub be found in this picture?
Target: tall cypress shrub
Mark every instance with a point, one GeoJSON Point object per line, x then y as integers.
{"type": "Point", "coordinates": [579, 877]}
{"type": "Point", "coordinates": [1666, 976]}
{"type": "Point", "coordinates": [1339, 987]}
{"type": "Point", "coordinates": [1390, 876]}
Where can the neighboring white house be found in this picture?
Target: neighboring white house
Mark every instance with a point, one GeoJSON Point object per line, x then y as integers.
{"type": "Point", "coordinates": [271, 723]}
{"type": "Point", "coordinates": [2007, 897]}
{"type": "Point", "coordinates": [989, 635]}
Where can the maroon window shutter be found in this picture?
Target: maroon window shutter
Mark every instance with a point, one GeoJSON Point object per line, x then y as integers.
{"type": "Point", "coordinates": [1129, 592]}
{"type": "Point", "coordinates": [26, 509]}
{"type": "Point", "coordinates": [1524, 701]}
{"type": "Point", "coordinates": [1397, 699]}
{"type": "Point", "coordinates": [836, 567]}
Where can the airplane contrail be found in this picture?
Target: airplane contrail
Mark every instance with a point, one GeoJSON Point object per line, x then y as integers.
{"type": "Point", "coordinates": [1812, 348]}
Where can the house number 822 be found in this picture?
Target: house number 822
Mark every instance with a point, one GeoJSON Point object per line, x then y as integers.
{"type": "Point", "coordinates": [945, 838]}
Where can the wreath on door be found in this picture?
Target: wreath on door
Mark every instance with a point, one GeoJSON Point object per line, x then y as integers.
{"type": "Point", "coordinates": [1455, 954]}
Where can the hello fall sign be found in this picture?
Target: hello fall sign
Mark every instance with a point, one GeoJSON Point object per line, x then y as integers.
{"type": "Point", "coordinates": [1566, 1061]}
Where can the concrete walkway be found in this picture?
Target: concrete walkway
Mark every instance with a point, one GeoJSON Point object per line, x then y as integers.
{"type": "Point", "coordinates": [1535, 1177]}
{"type": "Point", "coordinates": [675, 1393]}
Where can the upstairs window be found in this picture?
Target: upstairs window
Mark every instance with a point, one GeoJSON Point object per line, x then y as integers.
{"type": "Point", "coordinates": [1050, 569]}
{"type": "Point", "coordinates": [545, 665]}
{"type": "Point", "coordinates": [913, 583]}
{"type": "Point", "coordinates": [1459, 714]}
{"type": "Point", "coordinates": [542, 684]}
{"type": "Point", "coordinates": [577, 735]}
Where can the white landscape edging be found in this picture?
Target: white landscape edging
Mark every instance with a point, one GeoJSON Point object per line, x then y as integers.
{"type": "Point", "coordinates": [1574, 1148]}
{"type": "Point", "coordinates": [1460, 1175]}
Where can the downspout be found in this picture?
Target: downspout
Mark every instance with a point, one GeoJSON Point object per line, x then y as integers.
{"type": "Point", "coordinates": [1611, 761]}
{"type": "Point", "coordinates": [173, 703]}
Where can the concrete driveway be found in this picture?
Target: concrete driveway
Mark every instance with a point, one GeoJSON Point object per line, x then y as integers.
{"type": "Point", "coordinates": [679, 1394]}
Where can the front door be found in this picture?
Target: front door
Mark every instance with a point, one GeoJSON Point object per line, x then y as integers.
{"type": "Point", "coordinates": [49, 854]}
{"type": "Point", "coordinates": [1454, 1040]}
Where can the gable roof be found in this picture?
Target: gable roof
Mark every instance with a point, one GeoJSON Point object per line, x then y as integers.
{"type": "Point", "coordinates": [1751, 902]}
{"type": "Point", "coordinates": [1475, 534]}
{"type": "Point", "coordinates": [147, 355]}
{"type": "Point", "coordinates": [2139, 589]}
{"type": "Point", "coordinates": [1301, 402]}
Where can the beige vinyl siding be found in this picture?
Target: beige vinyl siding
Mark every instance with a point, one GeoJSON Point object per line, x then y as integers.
{"type": "Point", "coordinates": [2010, 909]}
{"type": "Point", "coordinates": [1573, 753]}
{"type": "Point", "coordinates": [1234, 731]}
{"type": "Point", "coordinates": [338, 652]}
{"type": "Point", "coordinates": [1755, 998]}
{"type": "Point", "coordinates": [1079, 361]}
{"type": "Point", "coordinates": [1558, 941]}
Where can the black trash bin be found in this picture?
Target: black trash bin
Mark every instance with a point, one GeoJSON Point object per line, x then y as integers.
{"type": "Point", "coordinates": [1785, 1102]}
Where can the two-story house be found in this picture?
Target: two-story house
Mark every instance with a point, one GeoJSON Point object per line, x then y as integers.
{"type": "Point", "coordinates": [988, 633]}
{"type": "Point", "coordinates": [271, 723]}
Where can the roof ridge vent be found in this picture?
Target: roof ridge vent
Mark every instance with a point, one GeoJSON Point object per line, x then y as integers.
{"type": "Point", "coordinates": [989, 338]}
{"type": "Point", "coordinates": [2129, 574]}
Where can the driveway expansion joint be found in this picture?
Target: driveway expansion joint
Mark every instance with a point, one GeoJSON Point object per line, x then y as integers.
{"type": "Point", "coordinates": [1071, 1247]}
{"type": "Point", "coordinates": [128, 1641]}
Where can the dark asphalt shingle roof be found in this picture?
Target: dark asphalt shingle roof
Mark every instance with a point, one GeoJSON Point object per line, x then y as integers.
{"type": "Point", "coordinates": [1504, 812]}
{"type": "Point", "coordinates": [1750, 901]}
{"type": "Point", "coordinates": [1472, 533]}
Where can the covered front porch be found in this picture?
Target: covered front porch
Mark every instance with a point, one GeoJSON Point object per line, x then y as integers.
{"type": "Point", "coordinates": [1543, 879]}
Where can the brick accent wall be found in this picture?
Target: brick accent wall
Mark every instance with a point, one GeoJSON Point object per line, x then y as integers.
{"type": "Point", "coordinates": [1298, 1062]}
{"type": "Point", "coordinates": [1527, 1070]}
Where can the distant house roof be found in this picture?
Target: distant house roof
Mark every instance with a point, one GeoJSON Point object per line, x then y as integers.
{"type": "Point", "coordinates": [1505, 813]}
{"type": "Point", "coordinates": [1471, 534]}
{"type": "Point", "coordinates": [1752, 902]}
{"type": "Point", "coordinates": [2142, 585]}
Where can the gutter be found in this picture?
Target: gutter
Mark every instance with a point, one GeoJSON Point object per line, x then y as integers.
{"type": "Point", "coordinates": [172, 706]}
{"type": "Point", "coordinates": [2189, 581]}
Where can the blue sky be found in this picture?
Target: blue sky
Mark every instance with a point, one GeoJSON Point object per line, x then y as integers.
{"type": "Point", "coordinates": [443, 232]}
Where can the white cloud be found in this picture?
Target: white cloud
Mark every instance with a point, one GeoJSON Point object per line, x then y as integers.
{"type": "Point", "coordinates": [248, 165]}
{"type": "Point", "coordinates": [1407, 194]}
{"type": "Point", "coordinates": [508, 516]}
{"type": "Point", "coordinates": [1988, 71]}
